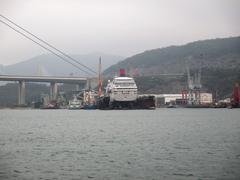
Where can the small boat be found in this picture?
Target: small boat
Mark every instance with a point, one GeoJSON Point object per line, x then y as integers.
{"type": "Point", "coordinates": [90, 106]}
{"type": "Point", "coordinates": [75, 103]}
{"type": "Point", "coordinates": [89, 99]}
{"type": "Point", "coordinates": [51, 105]}
{"type": "Point", "coordinates": [171, 105]}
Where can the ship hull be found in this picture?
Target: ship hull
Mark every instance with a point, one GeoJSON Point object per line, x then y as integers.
{"type": "Point", "coordinates": [123, 98]}
{"type": "Point", "coordinates": [90, 107]}
{"type": "Point", "coordinates": [146, 102]}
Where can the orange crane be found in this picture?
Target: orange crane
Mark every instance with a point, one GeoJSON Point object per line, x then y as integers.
{"type": "Point", "coordinates": [236, 96]}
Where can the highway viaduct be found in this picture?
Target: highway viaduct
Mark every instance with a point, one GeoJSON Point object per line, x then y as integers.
{"type": "Point", "coordinates": [53, 80]}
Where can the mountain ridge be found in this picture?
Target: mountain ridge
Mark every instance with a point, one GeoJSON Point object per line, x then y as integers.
{"type": "Point", "coordinates": [211, 53]}
{"type": "Point", "coordinates": [56, 66]}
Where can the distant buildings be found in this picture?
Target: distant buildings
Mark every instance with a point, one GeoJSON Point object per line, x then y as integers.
{"type": "Point", "coordinates": [166, 99]}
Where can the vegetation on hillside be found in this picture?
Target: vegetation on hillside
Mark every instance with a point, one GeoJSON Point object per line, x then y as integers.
{"type": "Point", "coordinates": [218, 82]}
{"type": "Point", "coordinates": [216, 54]}
{"type": "Point", "coordinates": [219, 60]}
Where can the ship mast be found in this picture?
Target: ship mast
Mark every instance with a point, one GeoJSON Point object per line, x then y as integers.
{"type": "Point", "coordinates": [100, 77]}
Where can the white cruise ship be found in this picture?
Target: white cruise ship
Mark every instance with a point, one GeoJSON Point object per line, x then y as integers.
{"type": "Point", "coordinates": [121, 89]}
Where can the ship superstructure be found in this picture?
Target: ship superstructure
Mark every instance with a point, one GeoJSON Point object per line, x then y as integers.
{"type": "Point", "coordinates": [121, 90]}
{"type": "Point", "coordinates": [122, 93]}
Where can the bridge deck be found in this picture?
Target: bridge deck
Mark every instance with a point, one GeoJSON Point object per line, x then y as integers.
{"type": "Point", "coordinates": [56, 79]}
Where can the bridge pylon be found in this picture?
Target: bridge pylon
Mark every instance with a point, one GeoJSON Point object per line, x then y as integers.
{"type": "Point", "coordinates": [53, 91]}
{"type": "Point", "coordinates": [21, 93]}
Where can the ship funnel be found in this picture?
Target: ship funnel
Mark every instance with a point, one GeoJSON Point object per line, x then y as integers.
{"type": "Point", "coordinates": [122, 72]}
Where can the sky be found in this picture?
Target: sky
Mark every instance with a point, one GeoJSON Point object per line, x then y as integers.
{"type": "Point", "coordinates": [120, 27]}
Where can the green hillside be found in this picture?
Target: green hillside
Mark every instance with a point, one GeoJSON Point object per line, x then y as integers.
{"type": "Point", "coordinates": [219, 60]}
{"type": "Point", "coordinates": [217, 53]}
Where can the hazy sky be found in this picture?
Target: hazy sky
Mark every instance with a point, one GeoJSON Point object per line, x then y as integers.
{"type": "Point", "coordinates": [121, 27]}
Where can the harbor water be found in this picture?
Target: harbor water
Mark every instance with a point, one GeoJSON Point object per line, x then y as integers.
{"type": "Point", "coordinates": [120, 144]}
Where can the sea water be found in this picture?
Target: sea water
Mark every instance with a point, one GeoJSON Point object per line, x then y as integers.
{"type": "Point", "coordinates": [120, 144]}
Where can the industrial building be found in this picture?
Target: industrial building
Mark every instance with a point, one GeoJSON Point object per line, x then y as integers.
{"type": "Point", "coordinates": [162, 100]}
{"type": "Point", "coordinates": [206, 98]}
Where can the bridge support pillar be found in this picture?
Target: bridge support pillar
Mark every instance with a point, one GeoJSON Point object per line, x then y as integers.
{"type": "Point", "coordinates": [88, 84]}
{"type": "Point", "coordinates": [77, 87]}
{"type": "Point", "coordinates": [21, 93]}
{"type": "Point", "coordinates": [53, 91]}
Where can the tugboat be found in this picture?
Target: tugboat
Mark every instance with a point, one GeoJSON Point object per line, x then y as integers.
{"type": "Point", "coordinates": [75, 103]}
{"type": "Point", "coordinates": [89, 99]}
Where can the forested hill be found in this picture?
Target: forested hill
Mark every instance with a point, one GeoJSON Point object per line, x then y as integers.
{"type": "Point", "coordinates": [221, 53]}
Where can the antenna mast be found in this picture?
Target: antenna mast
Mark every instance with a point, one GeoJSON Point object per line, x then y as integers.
{"type": "Point", "coordinates": [100, 77]}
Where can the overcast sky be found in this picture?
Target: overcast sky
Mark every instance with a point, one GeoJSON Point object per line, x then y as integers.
{"type": "Point", "coordinates": [121, 27]}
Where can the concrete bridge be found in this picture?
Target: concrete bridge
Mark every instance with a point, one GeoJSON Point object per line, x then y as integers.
{"type": "Point", "coordinates": [53, 80]}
